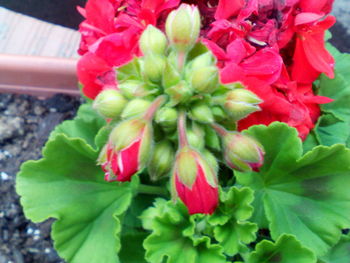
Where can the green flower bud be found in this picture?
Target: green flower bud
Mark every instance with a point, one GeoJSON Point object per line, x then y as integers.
{"type": "Point", "coordinates": [153, 41]}
{"type": "Point", "coordinates": [242, 152]}
{"type": "Point", "coordinates": [204, 60]}
{"type": "Point", "coordinates": [109, 103]}
{"type": "Point", "coordinates": [195, 137]}
{"type": "Point", "coordinates": [205, 79]}
{"type": "Point", "coordinates": [219, 113]}
{"type": "Point", "coordinates": [135, 107]}
{"type": "Point", "coordinates": [162, 160]}
{"type": "Point", "coordinates": [179, 93]}
{"type": "Point", "coordinates": [154, 67]}
{"type": "Point", "coordinates": [182, 27]}
{"type": "Point", "coordinates": [171, 75]}
{"type": "Point", "coordinates": [211, 159]}
{"type": "Point", "coordinates": [239, 103]}
{"type": "Point", "coordinates": [128, 131]}
{"type": "Point", "coordinates": [166, 117]}
{"type": "Point", "coordinates": [202, 113]}
{"type": "Point", "coordinates": [135, 88]}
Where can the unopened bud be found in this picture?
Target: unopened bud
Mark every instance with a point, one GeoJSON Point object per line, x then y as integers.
{"type": "Point", "coordinates": [134, 88]}
{"type": "Point", "coordinates": [154, 67]}
{"type": "Point", "coordinates": [153, 41]}
{"type": "Point", "coordinates": [135, 107]}
{"type": "Point", "coordinates": [193, 176]}
{"type": "Point", "coordinates": [239, 103]}
{"type": "Point", "coordinates": [195, 136]}
{"type": "Point", "coordinates": [205, 80]}
{"type": "Point", "coordinates": [211, 159]}
{"type": "Point", "coordinates": [162, 160]}
{"type": "Point", "coordinates": [183, 26]}
{"type": "Point", "coordinates": [109, 103]}
{"type": "Point", "coordinates": [179, 93]}
{"type": "Point", "coordinates": [219, 114]}
{"type": "Point", "coordinates": [201, 112]}
{"type": "Point", "coordinates": [167, 117]}
{"type": "Point", "coordinates": [241, 152]}
{"type": "Point", "coordinates": [171, 75]}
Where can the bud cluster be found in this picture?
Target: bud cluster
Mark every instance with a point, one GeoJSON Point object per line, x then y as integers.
{"type": "Point", "coordinates": [167, 103]}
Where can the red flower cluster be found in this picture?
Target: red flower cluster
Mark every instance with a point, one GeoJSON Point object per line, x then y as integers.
{"type": "Point", "coordinates": [276, 48]}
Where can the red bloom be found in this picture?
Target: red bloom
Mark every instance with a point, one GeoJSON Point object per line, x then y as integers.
{"type": "Point", "coordinates": [95, 74]}
{"type": "Point", "coordinates": [311, 57]}
{"type": "Point", "coordinates": [196, 184]}
{"type": "Point", "coordinates": [286, 102]}
{"type": "Point", "coordinates": [316, 6]}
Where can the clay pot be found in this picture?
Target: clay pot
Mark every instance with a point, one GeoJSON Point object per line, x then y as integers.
{"type": "Point", "coordinates": [40, 76]}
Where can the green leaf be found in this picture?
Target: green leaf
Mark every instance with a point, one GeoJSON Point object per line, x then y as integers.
{"type": "Point", "coordinates": [133, 234]}
{"type": "Point", "coordinates": [340, 253]}
{"type": "Point", "coordinates": [231, 227]}
{"type": "Point", "coordinates": [307, 196]}
{"type": "Point", "coordinates": [334, 127]}
{"type": "Point", "coordinates": [175, 238]}
{"type": "Point", "coordinates": [67, 185]}
{"type": "Point", "coordinates": [85, 126]}
{"type": "Point", "coordinates": [285, 250]}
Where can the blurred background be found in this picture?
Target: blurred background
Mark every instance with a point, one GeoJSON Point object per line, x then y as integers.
{"type": "Point", "coordinates": [26, 121]}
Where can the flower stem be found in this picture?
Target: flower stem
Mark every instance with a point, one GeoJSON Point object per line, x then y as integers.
{"type": "Point", "coordinates": [154, 107]}
{"type": "Point", "coordinates": [152, 190]}
{"type": "Point", "coordinates": [181, 126]}
{"type": "Point", "coordinates": [219, 129]}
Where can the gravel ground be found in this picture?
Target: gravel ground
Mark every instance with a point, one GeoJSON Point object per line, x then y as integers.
{"type": "Point", "coordinates": [25, 123]}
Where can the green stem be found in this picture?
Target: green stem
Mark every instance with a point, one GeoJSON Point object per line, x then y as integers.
{"type": "Point", "coordinates": [152, 190]}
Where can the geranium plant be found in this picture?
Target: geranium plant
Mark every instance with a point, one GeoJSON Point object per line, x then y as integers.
{"type": "Point", "coordinates": [214, 131]}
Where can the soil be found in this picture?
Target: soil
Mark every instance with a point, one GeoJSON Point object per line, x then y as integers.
{"type": "Point", "coordinates": [25, 123]}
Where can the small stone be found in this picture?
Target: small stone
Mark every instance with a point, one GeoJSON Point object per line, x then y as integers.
{"type": "Point", "coordinates": [4, 176]}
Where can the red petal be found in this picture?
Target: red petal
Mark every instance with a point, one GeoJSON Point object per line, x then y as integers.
{"type": "Point", "coordinates": [202, 198]}
{"type": "Point", "coordinates": [128, 161]}
{"type": "Point", "coordinates": [89, 68]}
{"type": "Point", "coordinates": [228, 8]}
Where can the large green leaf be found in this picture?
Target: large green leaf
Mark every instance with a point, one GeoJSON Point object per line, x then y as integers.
{"type": "Point", "coordinates": [334, 126]}
{"type": "Point", "coordinates": [231, 227]}
{"type": "Point", "coordinates": [67, 185]}
{"type": "Point", "coordinates": [85, 126]}
{"type": "Point", "coordinates": [175, 237]}
{"type": "Point", "coordinates": [285, 250]}
{"type": "Point", "coordinates": [307, 196]}
{"type": "Point", "coordinates": [340, 253]}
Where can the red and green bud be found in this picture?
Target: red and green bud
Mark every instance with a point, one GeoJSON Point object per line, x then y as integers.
{"type": "Point", "coordinates": [135, 107]}
{"type": "Point", "coordinates": [239, 103]}
{"type": "Point", "coordinates": [162, 160]}
{"type": "Point", "coordinates": [109, 103]}
{"type": "Point", "coordinates": [194, 181]}
{"type": "Point", "coordinates": [183, 26]}
{"type": "Point", "coordinates": [129, 145]}
{"type": "Point", "coordinates": [153, 41]}
{"type": "Point", "coordinates": [241, 152]}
